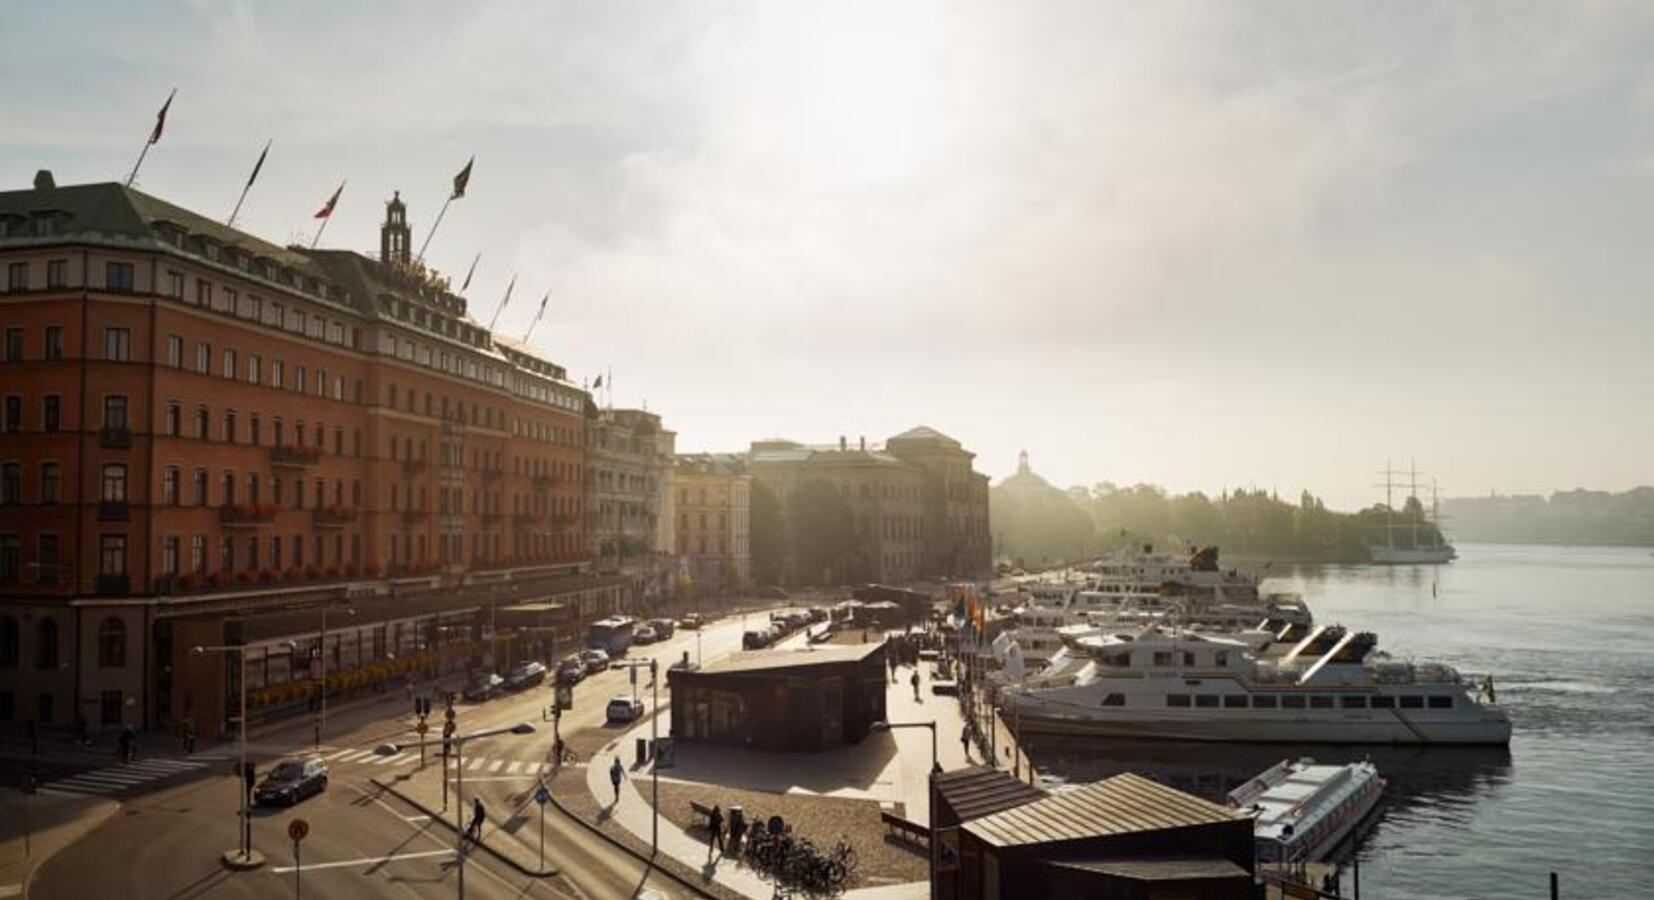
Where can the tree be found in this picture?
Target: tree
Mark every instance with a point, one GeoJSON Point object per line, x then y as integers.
{"type": "Point", "coordinates": [768, 529]}
{"type": "Point", "coordinates": [823, 532]}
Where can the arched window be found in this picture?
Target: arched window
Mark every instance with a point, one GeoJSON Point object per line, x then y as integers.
{"type": "Point", "coordinates": [45, 656]}
{"type": "Point", "coordinates": [8, 642]}
{"type": "Point", "coordinates": [112, 643]}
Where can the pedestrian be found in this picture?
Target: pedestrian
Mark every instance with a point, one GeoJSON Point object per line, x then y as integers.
{"type": "Point", "coordinates": [127, 744]}
{"type": "Point", "coordinates": [715, 830]}
{"type": "Point", "coordinates": [737, 829]}
{"type": "Point", "coordinates": [189, 737]}
{"type": "Point", "coordinates": [478, 815]}
{"type": "Point", "coordinates": [965, 741]}
{"type": "Point", "coordinates": [616, 772]}
{"type": "Point", "coordinates": [915, 680]}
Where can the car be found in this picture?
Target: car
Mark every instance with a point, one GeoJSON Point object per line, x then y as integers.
{"type": "Point", "coordinates": [525, 675]}
{"type": "Point", "coordinates": [691, 621]}
{"type": "Point", "coordinates": [596, 660]}
{"type": "Point", "coordinates": [646, 635]}
{"type": "Point", "coordinates": [624, 709]}
{"type": "Point", "coordinates": [571, 670]}
{"type": "Point", "coordinates": [290, 781]}
{"type": "Point", "coordinates": [663, 628]}
{"type": "Point", "coordinates": [484, 687]}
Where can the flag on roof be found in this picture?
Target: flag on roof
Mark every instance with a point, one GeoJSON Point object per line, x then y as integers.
{"type": "Point", "coordinates": [161, 118]}
{"type": "Point", "coordinates": [462, 179]}
{"type": "Point", "coordinates": [327, 210]}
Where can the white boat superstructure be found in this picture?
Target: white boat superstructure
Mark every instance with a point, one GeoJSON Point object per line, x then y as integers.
{"type": "Point", "coordinates": [1305, 810]}
{"type": "Point", "coordinates": [1329, 687]}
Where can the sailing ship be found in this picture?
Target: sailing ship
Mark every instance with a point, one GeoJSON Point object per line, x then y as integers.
{"type": "Point", "coordinates": [1426, 548]}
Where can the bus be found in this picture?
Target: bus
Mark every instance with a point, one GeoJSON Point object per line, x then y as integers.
{"type": "Point", "coordinates": [612, 635]}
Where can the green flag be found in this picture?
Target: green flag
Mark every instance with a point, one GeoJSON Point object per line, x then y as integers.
{"type": "Point", "coordinates": [462, 179]}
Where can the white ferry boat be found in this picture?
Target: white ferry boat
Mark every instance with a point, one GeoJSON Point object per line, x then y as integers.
{"type": "Point", "coordinates": [1304, 810]}
{"type": "Point", "coordinates": [1330, 687]}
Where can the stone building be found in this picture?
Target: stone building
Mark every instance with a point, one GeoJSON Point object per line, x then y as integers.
{"type": "Point", "coordinates": [207, 437]}
{"type": "Point", "coordinates": [629, 461]}
{"type": "Point", "coordinates": [713, 505]}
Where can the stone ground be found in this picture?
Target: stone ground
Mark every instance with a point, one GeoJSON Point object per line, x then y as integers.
{"type": "Point", "coordinates": [823, 820]}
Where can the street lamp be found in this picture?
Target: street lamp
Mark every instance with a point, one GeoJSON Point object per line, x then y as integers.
{"type": "Point", "coordinates": [321, 723]}
{"type": "Point", "coordinates": [654, 747]}
{"type": "Point", "coordinates": [458, 742]}
{"type": "Point", "coordinates": [240, 651]}
{"type": "Point", "coordinates": [930, 798]}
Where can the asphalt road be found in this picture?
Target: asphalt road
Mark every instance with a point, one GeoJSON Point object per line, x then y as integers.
{"type": "Point", "coordinates": [166, 843]}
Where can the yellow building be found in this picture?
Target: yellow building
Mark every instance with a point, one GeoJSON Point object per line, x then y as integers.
{"type": "Point", "coordinates": [712, 501]}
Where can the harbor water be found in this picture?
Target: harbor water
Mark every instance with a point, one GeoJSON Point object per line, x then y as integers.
{"type": "Point", "coordinates": [1568, 635]}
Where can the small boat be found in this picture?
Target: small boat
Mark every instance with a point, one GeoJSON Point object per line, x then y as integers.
{"type": "Point", "coordinates": [1304, 810]}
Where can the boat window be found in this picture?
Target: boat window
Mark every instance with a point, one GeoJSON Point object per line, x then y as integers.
{"type": "Point", "coordinates": [1412, 702]}
{"type": "Point", "coordinates": [1264, 701]}
{"type": "Point", "coordinates": [1292, 701]}
{"type": "Point", "coordinates": [1114, 700]}
{"type": "Point", "coordinates": [1188, 658]}
{"type": "Point", "coordinates": [1162, 657]}
{"type": "Point", "coordinates": [1441, 701]}
{"type": "Point", "coordinates": [1354, 702]}
{"type": "Point", "coordinates": [1320, 701]}
{"type": "Point", "coordinates": [1234, 701]}
{"type": "Point", "coordinates": [1221, 658]}
{"type": "Point", "coordinates": [1177, 699]}
{"type": "Point", "coordinates": [1384, 702]}
{"type": "Point", "coordinates": [1206, 700]}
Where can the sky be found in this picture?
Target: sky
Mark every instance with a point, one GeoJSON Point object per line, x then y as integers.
{"type": "Point", "coordinates": [1203, 245]}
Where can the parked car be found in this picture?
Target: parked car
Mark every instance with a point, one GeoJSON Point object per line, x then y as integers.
{"type": "Point", "coordinates": [596, 660]}
{"type": "Point", "coordinates": [525, 675]}
{"type": "Point", "coordinates": [624, 709]}
{"type": "Point", "coordinates": [646, 635]}
{"type": "Point", "coordinates": [290, 781]}
{"type": "Point", "coordinates": [484, 687]}
{"type": "Point", "coordinates": [663, 628]}
{"type": "Point", "coordinates": [691, 621]}
{"type": "Point", "coordinates": [571, 670]}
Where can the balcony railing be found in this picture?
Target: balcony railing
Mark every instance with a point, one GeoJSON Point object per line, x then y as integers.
{"type": "Point", "coordinates": [415, 466]}
{"type": "Point", "coordinates": [544, 482]}
{"type": "Point", "coordinates": [115, 437]}
{"type": "Point", "coordinates": [244, 515]}
{"type": "Point", "coordinates": [526, 519]}
{"type": "Point", "coordinates": [114, 511]}
{"type": "Point", "coordinates": [288, 455]}
{"type": "Point", "coordinates": [414, 516]}
{"type": "Point", "coordinates": [332, 516]}
{"type": "Point", "coordinates": [113, 584]}
{"type": "Point", "coordinates": [492, 474]}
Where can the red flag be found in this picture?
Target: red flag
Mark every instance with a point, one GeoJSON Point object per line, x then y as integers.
{"type": "Point", "coordinates": [327, 210]}
{"type": "Point", "coordinates": [161, 118]}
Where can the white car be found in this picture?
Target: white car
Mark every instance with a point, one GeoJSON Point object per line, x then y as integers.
{"type": "Point", "coordinates": [624, 709]}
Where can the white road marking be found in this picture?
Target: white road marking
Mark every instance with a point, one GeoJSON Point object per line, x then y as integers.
{"type": "Point", "coordinates": [392, 760]}
{"type": "Point", "coordinates": [419, 818]}
{"type": "Point", "coordinates": [356, 756]}
{"type": "Point", "coordinates": [366, 861]}
{"type": "Point", "coordinates": [497, 765]}
{"type": "Point", "coordinates": [332, 756]}
{"type": "Point", "coordinates": [477, 764]}
{"type": "Point", "coordinates": [514, 768]}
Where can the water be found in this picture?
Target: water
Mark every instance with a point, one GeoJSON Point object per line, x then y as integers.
{"type": "Point", "coordinates": [1568, 635]}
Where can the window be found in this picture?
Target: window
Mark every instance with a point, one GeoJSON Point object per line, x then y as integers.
{"type": "Point", "coordinates": [111, 554]}
{"type": "Point", "coordinates": [50, 478]}
{"type": "Point", "coordinates": [11, 558]}
{"type": "Point", "coordinates": [172, 424]}
{"type": "Point", "coordinates": [1114, 700]}
{"type": "Point", "coordinates": [170, 477]}
{"type": "Point", "coordinates": [1177, 699]}
{"type": "Point", "coordinates": [277, 373]}
{"type": "Point", "coordinates": [198, 553]}
{"type": "Point", "coordinates": [1381, 701]}
{"type": "Point", "coordinates": [256, 433]}
{"type": "Point", "coordinates": [47, 559]}
{"type": "Point", "coordinates": [1234, 701]}
{"type": "Point", "coordinates": [112, 643]}
{"type": "Point", "coordinates": [17, 276]}
{"type": "Point", "coordinates": [1264, 701]}
{"type": "Point", "coordinates": [117, 344]}
{"type": "Point", "coordinates": [203, 359]}
{"type": "Point", "coordinates": [1162, 657]}
{"type": "Point", "coordinates": [203, 426]}
{"type": "Point", "coordinates": [175, 351]}
{"type": "Point", "coordinates": [203, 292]}
{"type": "Point", "coordinates": [13, 420]}
{"type": "Point", "coordinates": [229, 362]}
{"type": "Point", "coordinates": [1412, 701]}
{"type": "Point", "coordinates": [226, 554]}
{"type": "Point", "coordinates": [1320, 701]}
{"type": "Point", "coordinates": [1356, 702]}
{"type": "Point", "coordinates": [1292, 701]}
{"type": "Point", "coordinates": [200, 487]}
{"type": "Point", "coordinates": [54, 342]}
{"type": "Point", "coordinates": [45, 651]}
{"type": "Point", "coordinates": [226, 488]}
{"type": "Point", "coordinates": [1441, 701]}
{"type": "Point", "coordinates": [114, 411]}
{"type": "Point", "coordinates": [57, 273]}
{"type": "Point", "coordinates": [118, 277]}
{"type": "Point", "coordinates": [51, 413]}
{"type": "Point", "coordinates": [229, 426]}
{"type": "Point", "coordinates": [298, 378]}
{"type": "Point", "coordinates": [10, 641]}
{"type": "Point", "coordinates": [14, 344]}
{"type": "Point", "coordinates": [113, 484]}
{"type": "Point", "coordinates": [1206, 701]}
{"type": "Point", "coordinates": [255, 368]}
{"type": "Point", "coordinates": [175, 285]}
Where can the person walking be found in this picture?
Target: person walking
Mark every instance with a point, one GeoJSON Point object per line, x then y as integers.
{"type": "Point", "coordinates": [965, 741]}
{"type": "Point", "coordinates": [915, 680]}
{"type": "Point", "coordinates": [478, 816]}
{"type": "Point", "coordinates": [715, 830]}
{"type": "Point", "coordinates": [127, 743]}
{"type": "Point", "coordinates": [616, 773]}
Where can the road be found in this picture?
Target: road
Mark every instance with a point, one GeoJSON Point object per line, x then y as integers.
{"type": "Point", "coordinates": [171, 832]}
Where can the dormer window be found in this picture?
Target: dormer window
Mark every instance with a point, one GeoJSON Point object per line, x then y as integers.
{"type": "Point", "coordinates": [210, 250]}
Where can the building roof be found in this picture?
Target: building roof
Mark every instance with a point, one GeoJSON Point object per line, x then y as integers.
{"type": "Point", "coordinates": [1170, 868]}
{"type": "Point", "coordinates": [775, 658]}
{"type": "Point", "coordinates": [1124, 804]}
{"type": "Point", "coordinates": [925, 433]}
{"type": "Point", "coordinates": [975, 791]}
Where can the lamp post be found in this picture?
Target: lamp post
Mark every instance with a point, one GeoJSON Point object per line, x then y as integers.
{"type": "Point", "coordinates": [321, 722]}
{"type": "Point", "coordinates": [240, 652]}
{"type": "Point", "coordinates": [930, 799]}
{"type": "Point", "coordinates": [654, 744]}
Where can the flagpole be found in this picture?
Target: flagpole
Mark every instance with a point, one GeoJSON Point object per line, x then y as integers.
{"type": "Point", "coordinates": [537, 317]}
{"type": "Point", "coordinates": [328, 218]}
{"type": "Point", "coordinates": [248, 186]}
{"type": "Point", "coordinates": [469, 272]}
{"type": "Point", "coordinates": [432, 233]}
{"type": "Point", "coordinates": [148, 142]}
{"type": "Point", "coordinates": [501, 308]}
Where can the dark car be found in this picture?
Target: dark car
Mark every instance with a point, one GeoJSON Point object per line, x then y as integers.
{"type": "Point", "coordinates": [290, 781]}
{"type": "Point", "coordinates": [525, 675]}
{"type": "Point", "coordinates": [484, 687]}
{"type": "Point", "coordinates": [571, 670]}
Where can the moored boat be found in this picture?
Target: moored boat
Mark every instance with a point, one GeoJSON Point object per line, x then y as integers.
{"type": "Point", "coordinates": [1305, 810]}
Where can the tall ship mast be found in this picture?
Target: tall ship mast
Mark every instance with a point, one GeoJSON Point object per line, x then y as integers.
{"type": "Point", "coordinates": [1432, 548]}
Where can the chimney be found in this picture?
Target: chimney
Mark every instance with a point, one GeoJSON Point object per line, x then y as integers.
{"type": "Point", "coordinates": [843, 443]}
{"type": "Point", "coordinates": [864, 443]}
{"type": "Point", "coordinates": [43, 180]}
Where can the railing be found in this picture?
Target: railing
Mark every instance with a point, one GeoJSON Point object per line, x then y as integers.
{"type": "Point", "coordinates": [114, 511]}
{"type": "Point", "coordinates": [414, 516]}
{"type": "Point", "coordinates": [415, 466]}
{"type": "Point", "coordinates": [113, 584]}
{"type": "Point", "coordinates": [332, 516]}
{"type": "Point", "coordinates": [288, 455]}
{"type": "Point", "coordinates": [245, 514]}
{"type": "Point", "coordinates": [492, 474]}
{"type": "Point", "coordinates": [526, 519]}
{"type": "Point", "coordinates": [115, 437]}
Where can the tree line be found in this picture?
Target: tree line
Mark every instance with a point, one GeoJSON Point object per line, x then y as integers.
{"type": "Point", "coordinates": [1566, 517]}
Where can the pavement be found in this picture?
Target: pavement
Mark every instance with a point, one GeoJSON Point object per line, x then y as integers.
{"type": "Point", "coordinates": [34, 828]}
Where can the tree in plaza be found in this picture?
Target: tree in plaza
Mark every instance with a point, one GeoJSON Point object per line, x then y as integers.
{"type": "Point", "coordinates": [823, 531]}
{"type": "Point", "coordinates": [769, 539]}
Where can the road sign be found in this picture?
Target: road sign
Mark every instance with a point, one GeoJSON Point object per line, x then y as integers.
{"type": "Point", "coordinates": [448, 714]}
{"type": "Point", "coordinates": [565, 696]}
{"type": "Point", "coordinates": [542, 796]}
{"type": "Point", "coordinates": [448, 729]}
{"type": "Point", "coordinates": [422, 727]}
{"type": "Point", "coordinates": [631, 673]}
{"type": "Point", "coordinates": [297, 829]}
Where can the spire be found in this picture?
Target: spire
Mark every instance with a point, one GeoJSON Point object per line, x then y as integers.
{"type": "Point", "coordinates": [1022, 463]}
{"type": "Point", "coordinates": [394, 234]}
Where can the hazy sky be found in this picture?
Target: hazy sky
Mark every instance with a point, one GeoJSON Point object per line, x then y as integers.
{"type": "Point", "coordinates": [1204, 245]}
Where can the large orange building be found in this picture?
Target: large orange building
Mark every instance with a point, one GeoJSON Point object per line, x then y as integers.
{"type": "Point", "coordinates": [208, 439]}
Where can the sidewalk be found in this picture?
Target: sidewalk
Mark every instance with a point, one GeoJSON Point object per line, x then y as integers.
{"type": "Point", "coordinates": [54, 823]}
{"type": "Point", "coordinates": [422, 788]}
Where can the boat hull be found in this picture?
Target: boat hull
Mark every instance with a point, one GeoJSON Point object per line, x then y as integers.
{"type": "Point", "coordinates": [1397, 556]}
{"type": "Point", "coordinates": [1373, 730]}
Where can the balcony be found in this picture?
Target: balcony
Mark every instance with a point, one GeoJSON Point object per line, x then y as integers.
{"type": "Point", "coordinates": [294, 457]}
{"type": "Point", "coordinates": [414, 516]}
{"type": "Point", "coordinates": [115, 437]}
{"type": "Point", "coordinates": [332, 516]}
{"type": "Point", "coordinates": [246, 515]}
{"type": "Point", "coordinates": [114, 511]}
{"type": "Point", "coordinates": [112, 584]}
{"type": "Point", "coordinates": [489, 475]}
{"type": "Point", "coordinates": [415, 466]}
{"type": "Point", "coordinates": [544, 482]}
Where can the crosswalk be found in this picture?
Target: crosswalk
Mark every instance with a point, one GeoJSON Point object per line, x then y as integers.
{"type": "Point", "coordinates": [120, 778]}
{"type": "Point", "coordinates": [481, 765]}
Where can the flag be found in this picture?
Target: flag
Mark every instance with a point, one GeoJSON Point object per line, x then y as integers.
{"type": "Point", "coordinates": [161, 118]}
{"type": "Point", "coordinates": [327, 211]}
{"type": "Point", "coordinates": [469, 272]}
{"type": "Point", "coordinates": [258, 165]}
{"type": "Point", "coordinates": [462, 179]}
{"type": "Point", "coordinates": [542, 307]}
{"type": "Point", "coordinates": [598, 383]}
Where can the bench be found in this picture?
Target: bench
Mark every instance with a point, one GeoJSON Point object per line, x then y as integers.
{"type": "Point", "coordinates": [702, 813]}
{"type": "Point", "coordinates": [912, 832]}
